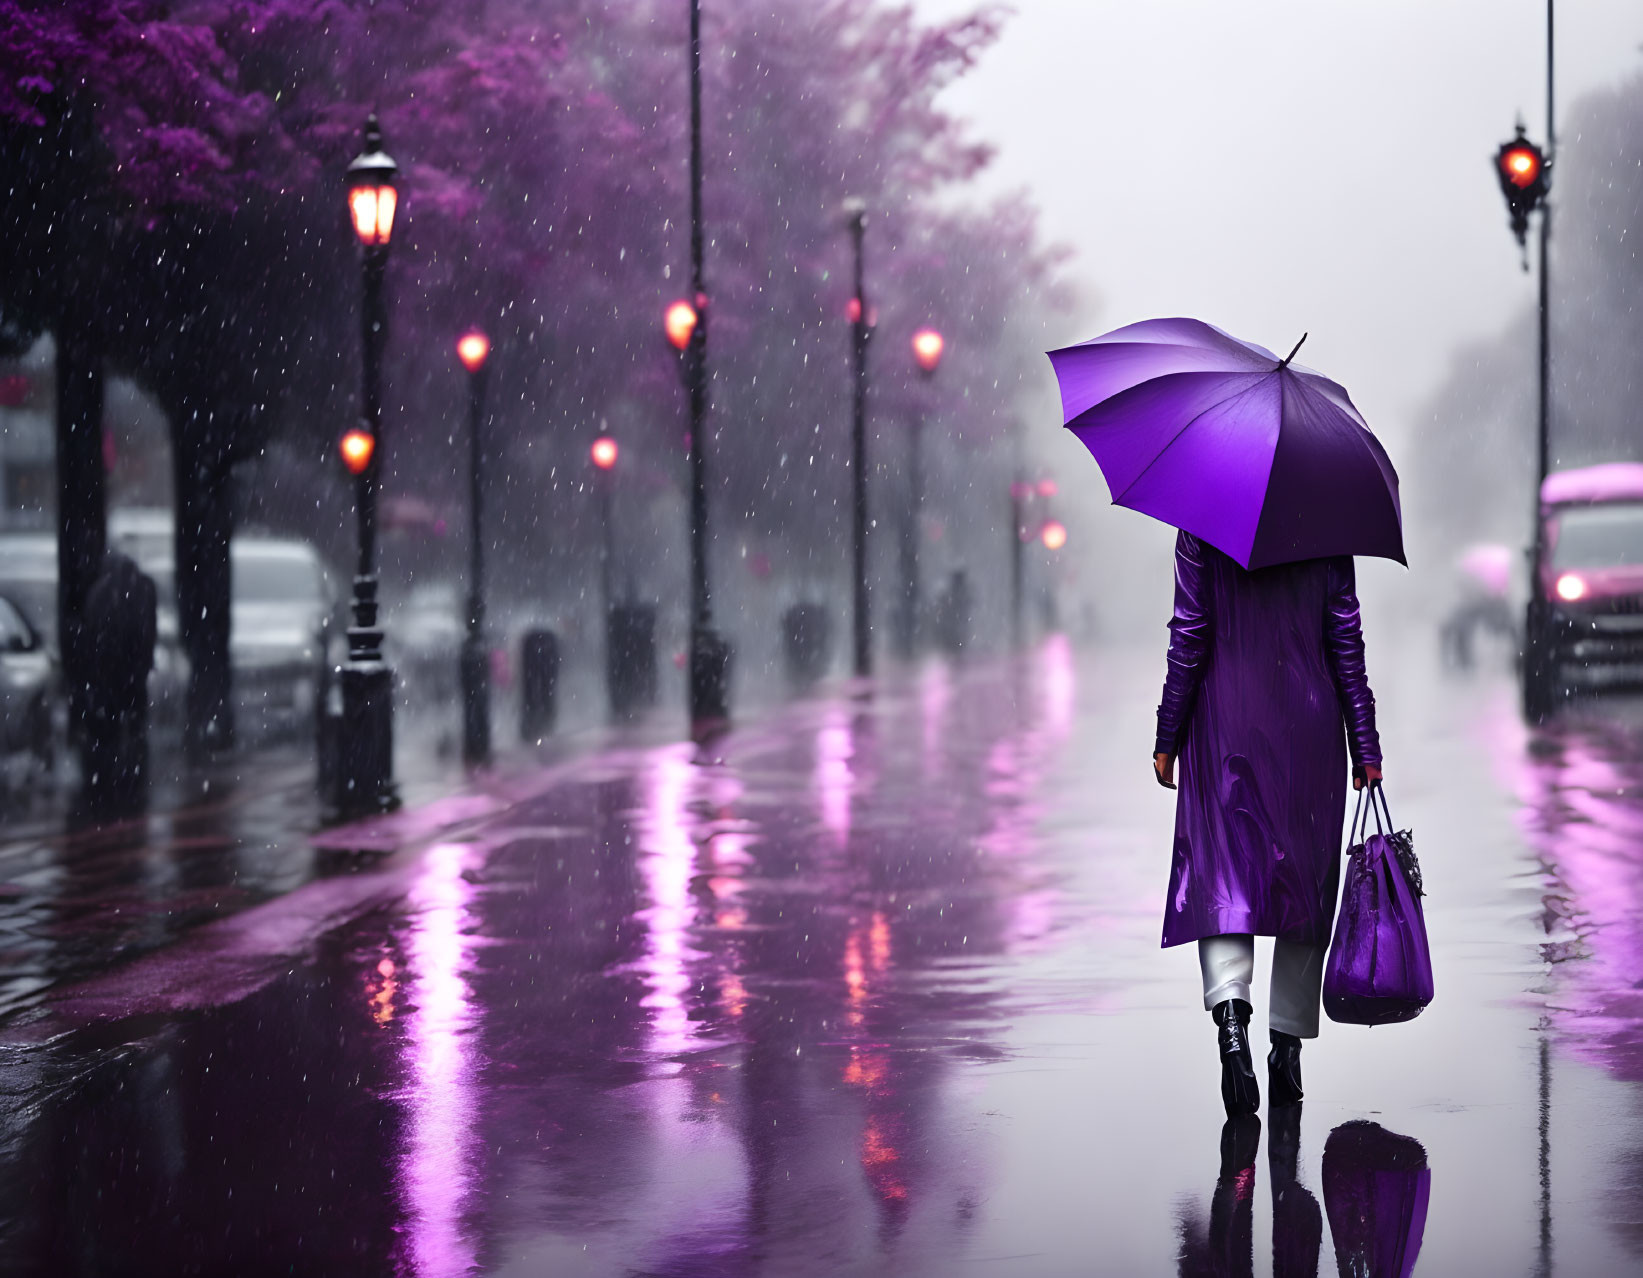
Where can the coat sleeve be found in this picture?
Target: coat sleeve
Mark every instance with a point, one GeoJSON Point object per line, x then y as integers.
{"type": "Point", "coordinates": [1343, 642]}
{"type": "Point", "coordinates": [1189, 643]}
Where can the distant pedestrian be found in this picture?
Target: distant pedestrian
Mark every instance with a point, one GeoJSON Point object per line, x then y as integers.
{"type": "Point", "coordinates": [119, 630]}
{"type": "Point", "coordinates": [953, 613]}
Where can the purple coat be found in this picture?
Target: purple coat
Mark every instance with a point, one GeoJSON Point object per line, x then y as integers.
{"type": "Point", "coordinates": [1265, 668]}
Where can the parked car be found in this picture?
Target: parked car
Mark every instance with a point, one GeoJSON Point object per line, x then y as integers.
{"type": "Point", "coordinates": [1588, 604]}
{"type": "Point", "coordinates": [28, 681]}
{"type": "Point", "coordinates": [283, 628]}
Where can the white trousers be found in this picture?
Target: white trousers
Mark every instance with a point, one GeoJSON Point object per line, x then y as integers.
{"type": "Point", "coordinates": [1228, 965]}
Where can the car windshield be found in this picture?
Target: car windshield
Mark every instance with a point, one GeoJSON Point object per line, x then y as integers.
{"type": "Point", "coordinates": [1605, 536]}
{"type": "Point", "coordinates": [274, 578]}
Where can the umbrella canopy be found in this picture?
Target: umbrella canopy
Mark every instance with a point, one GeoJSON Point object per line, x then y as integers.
{"type": "Point", "coordinates": [1263, 459]}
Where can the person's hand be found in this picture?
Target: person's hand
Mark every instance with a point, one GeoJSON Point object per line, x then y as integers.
{"type": "Point", "coordinates": [1369, 774]}
{"type": "Point", "coordinates": [1163, 767]}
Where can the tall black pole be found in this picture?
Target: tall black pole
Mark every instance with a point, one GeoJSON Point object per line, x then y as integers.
{"type": "Point", "coordinates": [1539, 661]}
{"type": "Point", "coordinates": [907, 636]}
{"type": "Point", "coordinates": [607, 556]}
{"type": "Point", "coordinates": [1018, 491]}
{"type": "Point", "coordinates": [1544, 456]}
{"type": "Point", "coordinates": [366, 783]}
{"type": "Point", "coordinates": [709, 653]}
{"type": "Point", "coordinates": [861, 331]}
{"type": "Point", "coordinates": [476, 664]}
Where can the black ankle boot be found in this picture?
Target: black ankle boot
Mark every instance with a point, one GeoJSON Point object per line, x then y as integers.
{"type": "Point", "coordinates": [1283, 1066]}
{"type": "Point", "coordinates": [1239, 1091]}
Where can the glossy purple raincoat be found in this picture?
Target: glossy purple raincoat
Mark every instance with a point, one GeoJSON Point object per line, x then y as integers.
{"type": "Point", "coordinates": [1266, 667]}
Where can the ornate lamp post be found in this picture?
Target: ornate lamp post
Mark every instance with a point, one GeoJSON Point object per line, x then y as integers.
{"type": "Point", "coordinates": [366, 781]}
{"type": "Point", "coordinates": [928, 345]}
{"type": "Point", "coordinates": [861, 330]}
{"type": "Point", "coordinates": [472, 349]}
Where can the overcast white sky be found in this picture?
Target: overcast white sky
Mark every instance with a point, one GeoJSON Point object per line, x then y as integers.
{"type": "Point", "coordinates": [1275, 166]}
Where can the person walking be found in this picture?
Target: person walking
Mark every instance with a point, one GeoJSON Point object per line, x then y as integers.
{"type": "Point", "coordinates": [1274, 482]}
{"type": "Point", "coordinates": [121, 612]}
{"type": "Point", "coordinates": [1265, 668]}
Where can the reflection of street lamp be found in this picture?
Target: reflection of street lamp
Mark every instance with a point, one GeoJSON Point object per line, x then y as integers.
{"type": "Point", "coordinates": [367, 728]}
{"type": "Point", "coordinates": [472, 348]}
{"type": "Point", "coordinates": [861, 330]}
{"type": "Point", "coordinates": [928, 345]}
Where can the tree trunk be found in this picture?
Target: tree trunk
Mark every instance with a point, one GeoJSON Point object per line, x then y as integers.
{"type": "Point", "coordinates": [204, 588]}
{"type": "Point", "coordinates": [81, 504]}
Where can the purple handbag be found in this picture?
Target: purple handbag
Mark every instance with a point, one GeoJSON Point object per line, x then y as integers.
{"type": "Point", "coordinates": [1380, 966]}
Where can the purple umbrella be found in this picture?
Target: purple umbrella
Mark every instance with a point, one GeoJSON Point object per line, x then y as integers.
{"type": "Point", "coordinates": [1263, 459]}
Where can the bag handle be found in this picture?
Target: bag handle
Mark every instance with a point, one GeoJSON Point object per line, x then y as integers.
{"type": "Point", "coordinates": [1357, 817]}
{"type": "Point", "coordinates": [1380, 794]}
{"type": "Point", "coordinates": [1377, 805]}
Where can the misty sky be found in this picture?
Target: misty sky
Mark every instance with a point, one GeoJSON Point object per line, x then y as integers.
{"type": "Point", "coordinates": [1275, 166]}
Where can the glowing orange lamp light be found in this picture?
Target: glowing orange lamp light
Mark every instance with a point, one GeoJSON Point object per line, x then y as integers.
{"type": "Point", "coordinates": [927, 347]}
{"type": "Point", "coordinates": [472, 348]}
{"type": "Point", "coordinates": [372, 195]}
{"type": "Point", "coordinates": [357, 447]}
{"type": "Point", "coordinates": [680, 323]}
{"type": "Point", "coordinates": [1054, 535]}
{"type": "Point", "coordinates": [604, 452]}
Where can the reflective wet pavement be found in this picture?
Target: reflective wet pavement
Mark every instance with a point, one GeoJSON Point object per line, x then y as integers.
{"type": "Point", "coordinates": [870, 986]}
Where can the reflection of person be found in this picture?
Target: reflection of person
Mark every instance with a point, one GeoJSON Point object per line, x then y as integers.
{"type": "Point", "coordinates": [1226, 1249]}
{"type": "Point", "coordinates": [1376, 1189]}
{"type": "Point", "coordinates": [1264, 667]}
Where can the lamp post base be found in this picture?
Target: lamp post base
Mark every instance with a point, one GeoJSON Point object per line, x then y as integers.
{"type": "Point", "coordinates": [365, 776]}
{"type": "Point", "coordinates": [476, 701]}
{"type": "Point", "coordinates": [709, 676]}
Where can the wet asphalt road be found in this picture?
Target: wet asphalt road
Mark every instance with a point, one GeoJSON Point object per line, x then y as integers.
{"type": "Point", "coordinates": [870, 986]}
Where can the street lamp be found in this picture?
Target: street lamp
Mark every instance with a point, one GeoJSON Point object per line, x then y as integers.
{"type": "Point", "coordinates": [366, 756]}
{"type": "Point", "coordinates": [1053, 534]}
{"type": "Point", "coordinates": [928, 345]}
{"type": "Point", "coordinates": [687, 331]}
{"type": "Point", "coordinates": [855, 212]}
{"type": "Point", "coordinates": [473, 348]}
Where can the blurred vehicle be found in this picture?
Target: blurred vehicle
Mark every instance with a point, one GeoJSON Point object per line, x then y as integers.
{"type": "Point", "coordinates": [424, 633]}
{"type": "Point", "coordinates": [28, 683]}
{"type": "Point", "coordinates": [1587, 607]}
{"type": "Point", "coordinates": [1481, 594]}
{"type": "Point", "coordinates": [283, 628]}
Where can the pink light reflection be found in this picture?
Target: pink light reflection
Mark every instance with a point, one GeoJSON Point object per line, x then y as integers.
{"type": "Point", "coordinates": [935, 695]}
{"type": "Point", "coordinates": [834, 780]}
{"type": "Point", "coordinates": [437, 1166]}
{"type": "Point", "coordinates": [667, 856]}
